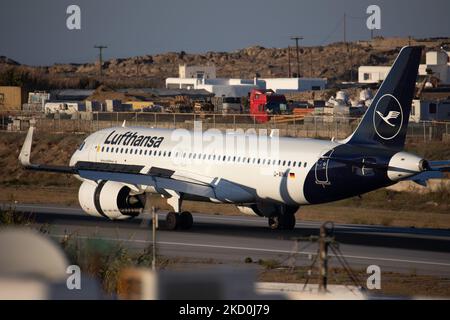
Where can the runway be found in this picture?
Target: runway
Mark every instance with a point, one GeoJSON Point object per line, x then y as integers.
{"type": "Point", "coordinates": [230, 239]}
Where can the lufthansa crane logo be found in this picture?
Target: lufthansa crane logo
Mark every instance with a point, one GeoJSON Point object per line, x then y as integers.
{"type": "Point", "coordinates": [388, 117]}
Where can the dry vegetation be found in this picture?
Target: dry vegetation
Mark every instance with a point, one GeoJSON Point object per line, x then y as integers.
{"type": "Point", "coordinates": [392, 284]}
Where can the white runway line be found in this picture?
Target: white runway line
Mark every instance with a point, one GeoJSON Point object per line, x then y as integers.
{"type": "Point", "coordinates": [263, 250]}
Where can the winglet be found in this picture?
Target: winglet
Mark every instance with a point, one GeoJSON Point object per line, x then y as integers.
{"type": "Point", "coordinates": [24, 156]}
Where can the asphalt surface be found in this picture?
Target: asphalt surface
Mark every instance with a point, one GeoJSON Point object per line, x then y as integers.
{"type": "Point", "coordinates": [230, 239]}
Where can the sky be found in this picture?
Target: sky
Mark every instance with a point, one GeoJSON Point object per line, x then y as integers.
{"type": "Point", "coordinates": [35, 32]}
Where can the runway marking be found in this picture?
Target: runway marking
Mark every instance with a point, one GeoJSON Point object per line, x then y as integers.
{"type": "Point", "coordinates": [263, 250]}
{"type": "Point", "coordinates": [200, 216]}
{"type": "Point", "coordinates": [252, 220]}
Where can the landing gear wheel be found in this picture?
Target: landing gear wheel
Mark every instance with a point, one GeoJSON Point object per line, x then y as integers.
{"type": "Point", "coordinates": [288, 222]}
{"type": "Point", "coordinates": [186, 220]}
{"type": "Point", "coordinates": [282, 222]}
{"type": "Point", "coordinates": [172, 220]}
{"type": "Point", "coordinates": [274, 222]}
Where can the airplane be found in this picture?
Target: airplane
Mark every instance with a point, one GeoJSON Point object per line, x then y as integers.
{"type": "Point", "coordinates": [121, 167]}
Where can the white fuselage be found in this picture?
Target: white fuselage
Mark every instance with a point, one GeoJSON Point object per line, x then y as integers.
{"type": "Point", "coordinates": [269, 168]}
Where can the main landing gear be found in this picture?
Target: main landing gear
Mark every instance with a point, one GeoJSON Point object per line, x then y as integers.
{"type": "Point", "coordinates": [284, 220]}
{"type": "Point", "coordinates": [176, 220]}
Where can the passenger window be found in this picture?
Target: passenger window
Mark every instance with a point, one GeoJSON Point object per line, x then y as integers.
{"type": "Point", "coordinates": [299, 164]}
{"type": "Point", "coordinates": [295, 162]}
{"type": "Point", "coordinates": [121, 150]}
{"type": "Point", "coordinates": [289, 163]}
{"type": "Point", "coordinates": [304, 165]}
{"type": "Point", "coordinates": [284, 163]}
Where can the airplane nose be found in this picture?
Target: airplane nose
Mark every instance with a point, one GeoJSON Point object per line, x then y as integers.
{"type": "Point", "coordinates": [74, 159]}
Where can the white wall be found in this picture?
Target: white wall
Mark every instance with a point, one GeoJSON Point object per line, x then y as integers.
{"type": "Point", "coordinates": [287, 85]}
{"type": "Point", "coordinates": [421, 111]}
{"type": "Point", "coordinates": [209, 72]}
{"type": "Point", "coordinates": [376, 73]}
{"type": "Point", "coordinates": [241, 87]}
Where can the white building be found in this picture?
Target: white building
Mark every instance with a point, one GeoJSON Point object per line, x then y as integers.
{"type": "Point", "coordinates": [437, 62]}
{"type": "Point", "coordinates": [372, 74]}
{"type": "Point", "coordinates": [438, 65]}
{"type": "Point", "coordinates": [198, 77]}
{"type": "Point", "coordinates": [197, 72]}
{"type": "Point", "coordinates": [430, 110]}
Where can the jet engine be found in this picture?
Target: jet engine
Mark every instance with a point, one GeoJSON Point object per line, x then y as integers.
{"type": "Point", "coordinates": [110, 199]}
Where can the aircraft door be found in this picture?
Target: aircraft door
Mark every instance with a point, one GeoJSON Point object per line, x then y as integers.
{"type": "Point", "coordinates": [321, 168]}
{"type": "Point", "coordinates": [95, 147]}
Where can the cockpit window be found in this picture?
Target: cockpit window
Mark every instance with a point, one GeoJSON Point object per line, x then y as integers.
{"type": "Point", "coordinates": [81, 146]}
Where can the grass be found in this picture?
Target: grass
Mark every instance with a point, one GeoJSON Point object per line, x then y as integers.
{"type": "Point", "coordinates": [9, 217]}
{"type": "Point", "coordinates": [104, 260]}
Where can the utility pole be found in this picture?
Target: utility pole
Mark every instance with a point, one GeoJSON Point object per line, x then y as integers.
{"type": "Point", "coordinates": [289, 61]}
{"type": "Point", "coordinates": [311, 63]}
{"type": "Point", "coordinates": [100, 56]}
{"type": "Point", "coordinates": [298, 58]}
{"type": "Point", "coordinates": [324, 241]}
{"type": "Point", "coordinates": [154, 227]}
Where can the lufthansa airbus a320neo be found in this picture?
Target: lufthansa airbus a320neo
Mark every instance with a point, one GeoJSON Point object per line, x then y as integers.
{"type": "Point", "coordinates": [119, 167]}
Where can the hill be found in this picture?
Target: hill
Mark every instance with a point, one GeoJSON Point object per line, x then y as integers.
{"type": "Point", "coordinates": [337, 62]}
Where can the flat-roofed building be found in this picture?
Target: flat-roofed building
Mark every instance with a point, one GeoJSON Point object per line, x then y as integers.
{"type": "Point", "coordinates": [11, 98]}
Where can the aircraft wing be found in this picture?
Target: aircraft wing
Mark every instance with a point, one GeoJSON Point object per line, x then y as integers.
{"type": "Point", "coordinates": [441, 165]}
{"type": "Point", "coordinates": [159, 178]}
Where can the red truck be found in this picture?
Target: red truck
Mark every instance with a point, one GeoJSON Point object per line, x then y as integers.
{"type": "Point", "coordinates": [264, 103]}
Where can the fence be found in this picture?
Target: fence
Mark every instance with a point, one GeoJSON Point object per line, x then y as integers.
{"type": "Point", "coordinates": [288, 125]}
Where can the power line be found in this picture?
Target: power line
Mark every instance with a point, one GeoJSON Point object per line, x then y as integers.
{"type": "Point", "coordinates": [334, 30]}
{"type": "Point", "coordinates": [298, 58]}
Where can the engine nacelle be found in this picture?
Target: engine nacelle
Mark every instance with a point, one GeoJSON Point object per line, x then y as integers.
{"type": "Point", "coordinates": [109, 199]}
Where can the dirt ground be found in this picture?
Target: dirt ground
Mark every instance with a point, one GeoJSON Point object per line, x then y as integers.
{"type": "Point", "coordinates": [392, 284]}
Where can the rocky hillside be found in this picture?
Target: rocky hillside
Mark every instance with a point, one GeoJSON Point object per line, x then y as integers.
{"type": "Point", "coordinates": [337, 62]}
